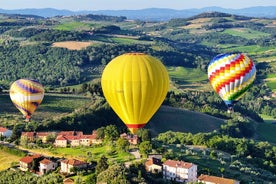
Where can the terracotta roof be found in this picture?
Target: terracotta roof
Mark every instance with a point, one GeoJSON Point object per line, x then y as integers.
{"type": "Point", "coordinates": [3, 129]}
{"type": "Point", "coordinates": [215, 179]}
{"type": "Point", "coordinates": [43, 133]}
{"type": "Point", "coordinates": [153, 161]}
{"type": "Point", "coordinates": [28, 134]}
{"type": "Point", "coordinates": [176, 163]}
{"type": "Point", "coordinates": [61, 137]}
{"type": "Point", "coordinates": [73, 162]}
{"type": "Point", "coordinates": [70, 133]}
{"type": "Point", "coordinates": [27, 159]}
{"type": "Point", "coordinates": [45, 161]}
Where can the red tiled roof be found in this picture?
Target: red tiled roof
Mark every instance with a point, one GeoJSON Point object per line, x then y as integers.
{"type": "Point", "coordinates": [3, 129]}
{"type": "Point", "coordinates": [73, 162]}
{"type": "Point", "coordinates": [28, 134]}
{"type": "Point", "coordinates": [26, 159]}
{"type": "Point", "coordinates": [215, 179]}
{"type": "Point", "coordinates": [154, 161]}
{"type": "Point", "coordinates": [174, 163]}
{"type": "Point", "coordinates": [45, 161]}
{"type": "Point", "coordinates": [60, 137]}
{"type": "Point", "coordinates": [70, 133]}
{"type": "Point", "coordinates": [43, 133]}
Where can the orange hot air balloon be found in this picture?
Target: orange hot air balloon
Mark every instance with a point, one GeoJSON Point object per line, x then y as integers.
{"type": "Point", "coordinates": [26, 95]}
{"type": "Point", "coordinates": [135, 85]}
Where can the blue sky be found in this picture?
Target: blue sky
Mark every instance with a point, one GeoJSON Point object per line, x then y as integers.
{"type": "Point", "coordinates": [131, 4]}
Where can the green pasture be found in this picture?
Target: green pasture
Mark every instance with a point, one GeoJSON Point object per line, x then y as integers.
{"type": "Point", "coordinates": [271, 85]}
{"type": "Point", "coordinates": [70, 26]}
{"type": "Point", "coordinates": [53, 105]}
{"type": "Point", "coordinates": [266, 132]}
{"type": "Point", "coordinates": [95, 152]}
{"type": "Point", "coordinates": [188, 78]}
{"type": "Point", "coordinates": [187, 75]}
{"type": "Point", "coordinates": [245, 33]}
{"type": "Point", "coordinates": [169, 118]}
{"type": "Point", "coordinates": [250, 49]}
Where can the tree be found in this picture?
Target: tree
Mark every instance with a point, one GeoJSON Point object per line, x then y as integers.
{"type": "Point", "coordinates": [145, 148]}
{"type": "Point", "coordinates": [115, 174]}
{"type": "Point", "coordinates": [100, 133]}
{"type": "Point", "coordinates": [122, 144]}
{"type": "Point", "coordinates": [101, 165]}
{"type": "Point", "coordinates": [144, 134]}
{"type": "Point", "coordinates": [111, 132]}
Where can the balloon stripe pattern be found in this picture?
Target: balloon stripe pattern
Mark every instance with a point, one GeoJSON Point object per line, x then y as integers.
{"type": "Point", "coordinates": [26, 95]}
{"type": "Point", "coordinates": [135, 85]}
{"type": "Point", "coordinates": [231, 75]}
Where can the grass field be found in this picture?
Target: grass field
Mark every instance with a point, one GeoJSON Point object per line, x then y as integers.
{"type": "Point", "coordinates": [6, 159]}
{"type": "Point", "coordinates": [82, 153]}
{"type": "Point", "coordinates": [168, 118]}
{"type": "Point", "coordinates": [192, 78]}
{"type": "Point", "coordinates": [245, 33]}
{"type": "Point", "coordinates": [266, 132]}
{"type": "Point", "coordinates": [77, 26]}
{"type": "Point", "coordinates": [53, 105]}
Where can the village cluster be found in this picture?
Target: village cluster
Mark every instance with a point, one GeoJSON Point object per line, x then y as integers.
{"type": "Point", "coordinates": [175, 170]}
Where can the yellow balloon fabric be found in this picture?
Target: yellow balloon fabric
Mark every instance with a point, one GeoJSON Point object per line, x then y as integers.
{"type": "Point", "coordinates": [135, 85]}
{"type": "Point", "coordinates": [26, 95]}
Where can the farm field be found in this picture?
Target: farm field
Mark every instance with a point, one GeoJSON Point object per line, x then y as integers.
{"type": "Point", "coordinates": [53, 105]}
{"type": "Point", "coordinates": [72, 45]}
{"type": "Point", "coordinates": [6, 159]}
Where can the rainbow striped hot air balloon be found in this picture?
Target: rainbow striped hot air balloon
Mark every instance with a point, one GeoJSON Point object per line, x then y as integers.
{"type": "Point", "coordinates": [135, 85]}
{"type": "Point", "coordinates": [231, 75]}
{"type": "Point", "coordinates": [26, 95]}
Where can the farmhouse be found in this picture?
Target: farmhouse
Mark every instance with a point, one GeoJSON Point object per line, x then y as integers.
{"type": "Point", "coordinates": [215, 180]}
{"type": "Point", "coordinates": [179, 171]}
{"type": "Point", "coordinates": [33, 136]}
{"type": "Point", "coordinates": [26, 163]}
{"type": "Point", "coordinates": [132, 139]}
{"type": "Point", "coordinates": [73, 138]}
{"type": "Point", "coordinates": [4, 132]}
{"type": "Point", "coordinates": [153, 165]}
{"type": "Point", "coordinates": [68, 164]}
{"type": "Point", "coordinates": [46, 166]}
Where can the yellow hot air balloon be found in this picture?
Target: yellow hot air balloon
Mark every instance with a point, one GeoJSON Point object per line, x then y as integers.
{"type": "Point", "coordinates": [135, 85]}
{"type": "Point", "coordinates": [26, 95]}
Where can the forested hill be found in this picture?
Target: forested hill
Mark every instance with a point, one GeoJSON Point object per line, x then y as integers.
{"type": "Point", "coordinates": [72, 50]}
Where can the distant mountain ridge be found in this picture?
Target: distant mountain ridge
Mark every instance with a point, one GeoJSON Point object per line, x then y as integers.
{"type": "Point", "coordinates": [154, 14]}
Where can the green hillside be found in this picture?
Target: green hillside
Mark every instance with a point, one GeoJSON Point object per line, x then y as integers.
{"type": "Point", "coordinates": [169, 118]}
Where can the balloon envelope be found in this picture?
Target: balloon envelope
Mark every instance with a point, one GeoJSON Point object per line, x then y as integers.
{"type": "Point", "coordinates": [26, 95]}
{"type": "Point", "coordinates": [135, 85]}
{"type": "Point", "coordinates": [231, 75]}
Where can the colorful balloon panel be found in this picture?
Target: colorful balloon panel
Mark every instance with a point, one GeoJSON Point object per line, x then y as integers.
{"type": "Point", "coordinates": [26, 95]}
{"type": "Point", "coordinates": [135, 85]}
{"type": "Point", "coordinates": [231, 75]}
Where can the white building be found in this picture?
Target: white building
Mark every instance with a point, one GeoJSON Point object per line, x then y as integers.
{"type": "Point", "coordinates": [179, 171]}
{"type": "Point", "coordinates": [4, 132]}
{"type": "Point", "coordinates": [46, 166]}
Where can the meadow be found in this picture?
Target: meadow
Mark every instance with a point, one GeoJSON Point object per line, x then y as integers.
{"type": "Point", "coordinates": [7, 159]}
